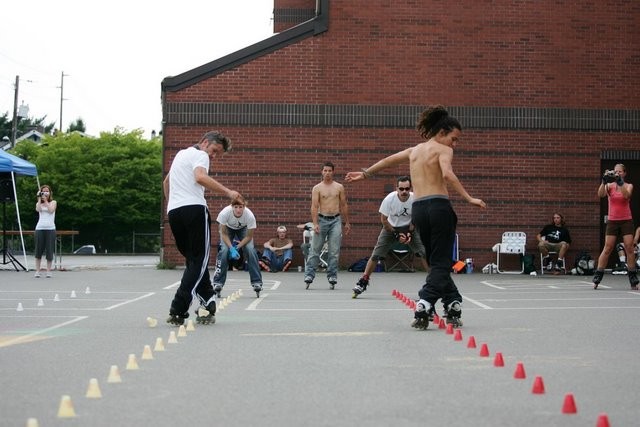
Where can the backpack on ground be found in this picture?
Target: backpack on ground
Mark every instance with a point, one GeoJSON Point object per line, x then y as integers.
{"type": "Point", "coordinates": [528, 262]}
{"type": "Point", "coordinates": [359, 265]}
{"type": "Point", "coordinates": [584, 265]}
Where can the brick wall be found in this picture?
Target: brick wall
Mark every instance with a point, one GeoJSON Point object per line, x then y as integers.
{"type": "Point", "coordinates": [552, 61]}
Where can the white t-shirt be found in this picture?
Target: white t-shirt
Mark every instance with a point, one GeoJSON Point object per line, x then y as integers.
{"type": "Point", "coordinates": [183, 188]}
{"type": "Point", "coordinates": [397, 212]}
{"type": "Point", "coordinates": [247, 219]}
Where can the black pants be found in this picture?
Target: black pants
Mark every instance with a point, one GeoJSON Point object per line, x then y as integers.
{"type": "Point", "coordinates": [191, 228]}
{"type": "Point", "coordinates": [436, 222]}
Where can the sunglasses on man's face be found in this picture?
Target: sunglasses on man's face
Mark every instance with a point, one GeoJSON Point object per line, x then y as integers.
{"type": "Point", "coordinates": [404, 188]}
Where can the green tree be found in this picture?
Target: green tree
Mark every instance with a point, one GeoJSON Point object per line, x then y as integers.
{"type": "Point", "coordinates": [78, 125]}
{"type": "Point", "coordinates": [106, 187]}
{"type": "Point", "coordinates": [23, 125]}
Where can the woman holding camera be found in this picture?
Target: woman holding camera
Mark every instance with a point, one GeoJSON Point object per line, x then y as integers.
{"type": "Point", "coordinates": [620, 222]}
{"type": "Point", "coordinates": [45, 235]}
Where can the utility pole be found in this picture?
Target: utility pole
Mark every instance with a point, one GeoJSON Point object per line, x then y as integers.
{"type": "Point", "coordinates": [14, 125]}
{"type": "Point", "coordinates": [61, 97]}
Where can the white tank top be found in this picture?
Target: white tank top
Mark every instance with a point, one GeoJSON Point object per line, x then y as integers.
{"type": "Point", "coordinates": [47, 220]}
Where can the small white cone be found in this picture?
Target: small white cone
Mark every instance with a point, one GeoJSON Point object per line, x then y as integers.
{"type": "Point", "coordinates": [56, 298]}
{"type": "Point", "coordinates": [93, 392]}
{"type": "Point", "coordinates": [152, 322]}
{"type": "Point", "coordinates": [73, 294]}
{"type": "Point", "coordinates": [159, 345]}
{"type": "Point", "coordinates": [172, 338]}
{"type": "Point", "coordinates": [19, 308]}
{"type": "Point", "coordinates": [114, 375]}
{"type": "Point", "coordinates": [132, 363]}
{"type": "Point", "coordinates": [87, 291]}
{"type": "Point", "coordinates": [146, 353]}
{"type": "Point", "coordinates": [33, 422]}
{"type": "Point", "coordinates": [40, 302]}
{"type": "Point", "coordinates": [182, 332]}
{"type": "Point", "coordinates": [65, 410]}
{"type": "Point", "coordinates": [190, 325]}
{"type": "Point", "coordinates": [239, 292]}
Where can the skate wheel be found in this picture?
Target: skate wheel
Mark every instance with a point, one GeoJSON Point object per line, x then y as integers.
{"type": "Point", "coordinates": [354, 296]}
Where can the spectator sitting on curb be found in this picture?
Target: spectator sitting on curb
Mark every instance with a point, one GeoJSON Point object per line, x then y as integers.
{"type": "Point", "coordinates": [277, 253]}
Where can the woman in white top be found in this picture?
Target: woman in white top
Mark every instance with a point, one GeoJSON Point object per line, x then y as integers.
{"type": "Point", "coordinates": [45, 235]}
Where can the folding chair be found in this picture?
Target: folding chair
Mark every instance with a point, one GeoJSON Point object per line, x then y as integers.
{"type": "Point", "coordinates": [307, 236]}
{"type": "Point", "coordinates": [399, 258]}
{"type": "Point", "coordinates": [513, 243]}
{"type": "Point", "coordinates": [550, 253]}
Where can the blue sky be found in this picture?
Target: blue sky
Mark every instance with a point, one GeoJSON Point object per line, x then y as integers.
{"type": "Point", "coordinates": [115, 54]}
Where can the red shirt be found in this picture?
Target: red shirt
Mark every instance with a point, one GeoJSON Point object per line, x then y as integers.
{"type": "Point", "coordinates": [619, 207]}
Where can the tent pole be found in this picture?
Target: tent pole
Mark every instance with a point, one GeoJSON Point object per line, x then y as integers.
{"type": "Point", "coordinates": [15, 195]}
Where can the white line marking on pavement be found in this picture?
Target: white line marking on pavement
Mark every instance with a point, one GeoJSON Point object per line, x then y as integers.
{"type": "Point", "coordinates": [315, 334]}
{"type": "Point", "coordinates": [276, 285]}
{"type": "Point", "coordinates": [131, 300]}
{"type": "Point", "coordinates": [17, 340]}
{"type": "Point", "coordinates": [257, 301]}
{"type": "Point", "coordinates": [478, 303]}
{"type": "Point", "coordinates": [173, 285]}
{"type": "Point", "coordinates": [484, 282]}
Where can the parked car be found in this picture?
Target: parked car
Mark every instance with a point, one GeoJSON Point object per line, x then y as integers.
{"type": "Point", "coordinates": [85, 250]}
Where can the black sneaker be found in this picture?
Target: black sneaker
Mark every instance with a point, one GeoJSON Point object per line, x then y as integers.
{"type": "Point", "coordinates": [454, 312]}
{"type": "Point", "coordinates": [308, 280]}
{"type": "Point", "coordinates": [206, 315]}
{"type": "Point", "coordinates": [361, 286]}
{"type": "Point", "coordinates": [597, 278]}
{"type": "Point", "coordinates": [218, 290]}
{"type": "Point", "coordinates": [333, 281]}
{"type": "Point", "coordinates": [257, 287]}
{"type": "Point", "coordinates": [633, 280]}
{"type": "Point", "coordinates": [620, 269]}
{"type": "Point", "coordinates": [560, 265]}
{"type": "Point", "coordinates": [546, 262]}
{"type": "Point", "coordinates": [421, 315]}
{"type": "Point", "coordinates": [177, 319]}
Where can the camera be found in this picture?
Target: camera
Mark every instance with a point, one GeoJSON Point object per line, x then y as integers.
{"type": "Point", "coordinates": [39, 194]}
{"type": "Point", "coordinates": [609, 176]}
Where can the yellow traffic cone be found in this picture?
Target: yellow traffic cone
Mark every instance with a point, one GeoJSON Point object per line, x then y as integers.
{"type": "Point", "coordinates": [66, 408]}
{"type": "Point", "coordinates": [114, 375]}
{"type": "Point", "coordinates": [190, 325]}
{"type": "Point", "coordinates": [32, 422]}
{"type": "Point", "coordinates": [146, 353]}
{"type": "Point", "coordinates": [93, 392]}
{"type": "Point", "coordinates": [132, 363]}
{"type": "Point", "coordinates": [172, 338]}
{"type": "Point", "coordinates": [159, 345]}
{"type": "Point", "coordinates": [152, 322]}
{"type": "Point", "coordinates": [182, 332]}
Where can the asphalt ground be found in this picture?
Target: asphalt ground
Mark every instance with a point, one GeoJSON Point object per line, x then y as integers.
{"type": "Point", "coordinates": [316, 357]}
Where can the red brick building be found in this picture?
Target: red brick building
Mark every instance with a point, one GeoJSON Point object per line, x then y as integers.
{"type": "Point", "coordinates": [546, 91]}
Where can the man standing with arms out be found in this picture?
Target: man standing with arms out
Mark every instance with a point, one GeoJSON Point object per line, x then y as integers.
{"type": "Point", "coordinates": [237, 222]}
{"type": "Point", "coordinates": [190, 223]}
{"type": "Point", "coordinates": [431, 172]}
{"type": "Point", "coordinates": [554, 237]}
{"type": "Point", "coordinates": [328, 202]}
{"type": "Point", "coordinates": [395, 215]}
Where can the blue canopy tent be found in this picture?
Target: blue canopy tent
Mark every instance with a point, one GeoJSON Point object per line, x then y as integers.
{"type": "Point", "coordinates": [13, 165]}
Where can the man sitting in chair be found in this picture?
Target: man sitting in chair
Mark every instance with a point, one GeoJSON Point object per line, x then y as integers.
{"type": "Point", "coordinates": [395, 215]}
{"type": "Point", "coordinates": [554, 237]}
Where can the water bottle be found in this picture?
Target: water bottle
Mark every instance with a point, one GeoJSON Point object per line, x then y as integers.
{"type": "Point", "coordinates": [379, 267]}
{"type": "Point", "coordinates": [469, 262]}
